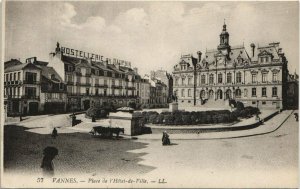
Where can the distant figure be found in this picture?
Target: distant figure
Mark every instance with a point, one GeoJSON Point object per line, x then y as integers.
{"type": "Point", "coordinates": [257, 117]}
{"type": "Point", "coordinates": [165, 139]}
{"type": "Point", "coordinates": [21, 118]}
{"type": "Point", "coordinates": [73, 119]}
{"type": "Point", "coordinates": [54, 133]}
{"type": "Point", "coordinates": [47, 162]}
{"type": "Point", "coordinates": [296, 116]}
{"type": "Point", "coordinates": [93, 119]}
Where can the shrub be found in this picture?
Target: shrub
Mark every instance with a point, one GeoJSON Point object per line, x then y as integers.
{"type": "Point", "coordinates": [178, 120]}
{"type": "Point", "coordinates": [159, 119]}
{"type": "Point", "coordinates": [96, 112]}
{"type": "Point", "coordinates": [186, 119]}
{"type": "Point", "coordinates": [239, 105]}
{"type": "Point", "coordinates": [169, 119]}
{"type": "Point", "coordinates": [152, 119]}
{"type": "Point", "coordinates": [132, 105]}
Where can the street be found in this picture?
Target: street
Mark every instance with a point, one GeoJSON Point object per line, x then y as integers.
{"type": "Point", "coordinates": [267, 160]}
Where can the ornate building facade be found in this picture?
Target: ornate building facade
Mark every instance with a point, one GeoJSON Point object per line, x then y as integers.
{"type": "Point", "coordinates": [94, 83]}
{"type": "Point", "coordinates": [256, 79]}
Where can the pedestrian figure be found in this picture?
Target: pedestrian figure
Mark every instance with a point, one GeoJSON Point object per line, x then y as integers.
{"type": "Point", "coordinates": [93, 119]}
{"type": "Point", "coordinates": [47, 162]}
{"type": "Point", "coordinates": [296, 116]}
{"type": "Point", "coordinates": [257, 117]}
{"type": "Point", "coordinates": [54, 133]}
{"type": "Point", "coordinates": [21, 118]}
{"type": "Point", "coordinates": [165, 139]}
{"type": "Point", "coordinates": [73, 119]}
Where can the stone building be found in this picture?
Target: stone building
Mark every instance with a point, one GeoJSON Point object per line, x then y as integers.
{"type": "Point", "coordinates": [165, 78]}
{"type": "Point", "coordinates": [229, 72]}
{"type": "Point", "coordinates": [92, 82]}
{"type": "Point", "coordinates": [33, 87]}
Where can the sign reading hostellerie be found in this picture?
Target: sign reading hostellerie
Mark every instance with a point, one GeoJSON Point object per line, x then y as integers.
{"type": "Point", "coordinates": [94, 57]}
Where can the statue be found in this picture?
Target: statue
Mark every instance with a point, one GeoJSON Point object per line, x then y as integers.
{"type": "Point", "coordinates": [174, 97]}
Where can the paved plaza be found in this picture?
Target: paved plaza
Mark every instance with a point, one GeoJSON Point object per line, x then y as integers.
{"type": "Point", "coordinates": [268, 159]}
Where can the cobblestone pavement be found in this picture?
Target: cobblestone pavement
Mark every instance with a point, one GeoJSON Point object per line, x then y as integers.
{"type": "Point", "coordinates": [269, 160]}
{"type": "Point", "coordinates": [79, 153]}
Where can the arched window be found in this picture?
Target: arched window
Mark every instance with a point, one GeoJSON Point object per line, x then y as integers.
{"type": "Point", "coordinates": [238, 93]}
{"type": "Point", "coordinates": [202, 79]}
{"type": "Point", "coordinates": [183, 81]}
{"type": "Point", "coordinates": [189, 92]}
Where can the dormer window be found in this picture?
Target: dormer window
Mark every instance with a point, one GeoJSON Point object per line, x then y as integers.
{"type": "Point", "coordinates": [52, 76]}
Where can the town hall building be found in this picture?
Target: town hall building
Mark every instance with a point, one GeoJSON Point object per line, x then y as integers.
{"type": "Point", "coordinates": [229, 72]}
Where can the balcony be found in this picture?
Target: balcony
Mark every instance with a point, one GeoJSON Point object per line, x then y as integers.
{"type": "Point", "coordinates": [78, 73]}
{"type": "Point", "coordinates": [130, 88]}
{"type": "Point", "coordinates": [86, 84]}
{"type": "Point", "coordinates": [30, 97]}
{"type": "Point", "coordinates": [116, 86]}
{"type": "Point", "coordinates": [31, 82]}
{"type": "Point", "coordinates": [70, 83]}
{"type": "Point", "coordinates": [12, 96]}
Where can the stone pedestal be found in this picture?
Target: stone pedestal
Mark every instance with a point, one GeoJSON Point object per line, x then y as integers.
{"type": "Point", "coordinates": [173, 106]}
{"type": "Point", "coordinates": [132, 124]}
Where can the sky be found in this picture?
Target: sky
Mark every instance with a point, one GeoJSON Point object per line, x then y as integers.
{"type": "Point", "coordinates": [152, 35]}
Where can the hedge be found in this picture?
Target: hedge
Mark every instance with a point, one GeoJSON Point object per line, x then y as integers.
{"type": "Point", "coordinates": [194, 118]}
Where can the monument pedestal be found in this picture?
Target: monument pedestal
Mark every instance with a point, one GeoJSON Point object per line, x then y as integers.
{"type": "Point", "coordinates": [173, 106]}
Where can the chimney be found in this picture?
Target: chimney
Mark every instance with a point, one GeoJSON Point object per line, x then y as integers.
{"type": "Point", "coordinates": [89, 60]}
{"type": "Point", "coordinates": [135, 69]}
{"type": "Point", "coordinates": [199, 55]}
{"type": "Point", "coordinates": [253, 49]}
{"type": "Point", "coordinates": [105, 63]}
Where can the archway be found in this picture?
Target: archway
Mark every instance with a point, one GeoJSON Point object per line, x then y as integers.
{"type": "Point", "coordinates": [228, 94]}
{"type": "Point", "coordinates": [210, 94]}
{"type": "Point", "coordinates": [202, 94]}
{"type": "Point", "coordinates": [219, 94]}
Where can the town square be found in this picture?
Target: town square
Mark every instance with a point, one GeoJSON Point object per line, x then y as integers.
{"type": "Point", "coordinates": [150, 94]}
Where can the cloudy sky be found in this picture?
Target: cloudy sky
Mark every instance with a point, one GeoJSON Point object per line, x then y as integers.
{"type": "Point", "coordinates": [152, 35]}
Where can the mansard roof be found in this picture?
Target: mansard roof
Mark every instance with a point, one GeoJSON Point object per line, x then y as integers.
{"type": "Point", "coordinates": [20, 67]}
{"type": "Point", "coordinates": [12, 62]}
{"type": "Point", "coordinates": [47, 72]}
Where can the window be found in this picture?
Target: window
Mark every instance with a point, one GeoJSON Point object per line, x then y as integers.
{"type": "Point", "coordinates": [253, 91]}
{"type": "Point", "coordinates": [238, 77]}
{"type": "Point", "coordinates": [211, 78]}
{"type": "Point", "coordinates": [69, 89]}
{"type": "Point", "coordinates": [229, 78]}
{"type": "Point", "coordinates": [189, 81]}
{"type": "Point", "coordinates": [275, 76]}
{"type": "Point", "coordinates": [254, 78]}
{"type": "Point", "coordinates": [78, 79]}
{"type": "Point", "coordinates": [264, 77]}
{"type": "Point", "coordinates": [87, 91]}
{"type": "Point", "coordinates": [238, 93]}
{"type": "Point", "coordinates": [10, 76]}
{"type": "Point", "coordinates": [220, 78]}
{"type": "Point", "coordinates": [97, 81]}
{"type": "Point", "coordinates": [78, 90]}
{"type": "Point", "coordinates": [189, 92]}
{"type": "Point", "coordinates": [105, 73]}
{"type": "Point", "coordinates": [274, 91]}
{"type": "Point", "coordinates": [264, 92]}
{"type": "Point", "coordinates": [203, 79]}
{"type": "Point", "coordinates": [245, 92]}
{"type": "Point", "coordinates": [182, 93]}
{"type": "Point", "coordinates": [96, 91]}
{"type": "Point", "coordinates": [176, 82]}
{"type": "Point", "coordinates": [88, 80]}
{"type": "Point", "coordinates": [19, 75]}
{"type": "Point", "coordinates": [267, 59]}
{"type": "Point", "coordinates": [30, 91]}
{"type": "Point", "coordinates": [183, 81]}
{"type": "Point", "coordinates": [61, 86]}
{"type": "Point", "coordinates": [70, 68]}
{"type": "Point", "coordinates": [264, 102]}
{"type": "Point", "coordinates": [69, 78]}
{"type": "Point", "coordinates": [113, 82]}
{"type": "Point", "coordinates": [253, 102]}
{"type": "Point", "coordinates": [6, 77]}
{"type": "Point", "coordinates": [105, 82]}
{"type": "Point", "coordinates": [15, 76]}
{"type": "Point", "coordinates": [30, 77]}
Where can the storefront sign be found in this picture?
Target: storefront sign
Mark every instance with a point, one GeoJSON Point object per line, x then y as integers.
{"type": "Point", "coordinates": [95, 57]}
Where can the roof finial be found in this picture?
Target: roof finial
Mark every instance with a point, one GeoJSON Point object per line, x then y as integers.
{"type": "Point", "coordinates": [224, 22]}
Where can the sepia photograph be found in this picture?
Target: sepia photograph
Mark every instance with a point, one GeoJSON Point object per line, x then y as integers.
{"type": "Point", "coordinates": [149, 94]}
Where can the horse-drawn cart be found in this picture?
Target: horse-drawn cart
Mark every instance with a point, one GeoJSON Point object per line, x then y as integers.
{"type": "Point", "coordinates": [106, 131]}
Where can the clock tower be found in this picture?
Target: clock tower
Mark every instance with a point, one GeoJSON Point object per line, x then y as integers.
{"type": "Point", "coordinates": [224, 46]}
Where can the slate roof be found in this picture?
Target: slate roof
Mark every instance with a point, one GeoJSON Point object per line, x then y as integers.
{"type": "Point", "coordinates": [12, 62]}
{"type": "Point", "coordinates": [48, 71]}
{"type": "Point", "coordinates": [20, 67]}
